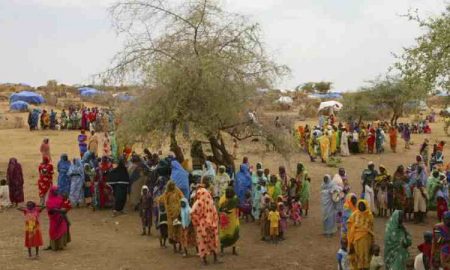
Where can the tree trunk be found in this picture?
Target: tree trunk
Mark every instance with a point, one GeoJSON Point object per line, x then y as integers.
{"type": "Point", "coordinates": [174, 147]}
{"type": "Point", "coordinates": [220, 153]}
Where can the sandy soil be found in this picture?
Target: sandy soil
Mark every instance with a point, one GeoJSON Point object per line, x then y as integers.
{"type": "Point", "coordinates": [103, 242]}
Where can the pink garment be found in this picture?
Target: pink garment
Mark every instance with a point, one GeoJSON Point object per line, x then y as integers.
{"type": "Point", "coordinates": [58, 224]}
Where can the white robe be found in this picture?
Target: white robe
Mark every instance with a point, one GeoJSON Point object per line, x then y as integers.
{"type": "Point", "coordinates": [4, 196]}
{"type": "Point", "coordinates": [369, 196]}
{"type": "Point", "coordinates": [344, 144]}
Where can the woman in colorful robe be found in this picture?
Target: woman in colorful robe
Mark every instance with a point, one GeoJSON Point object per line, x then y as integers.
{"type": "Point", "coordinates": [45, 178]}
{"type": "Point", "coordinates": [362, 140]}
{"type": "Point", "coordinates": [440, 251]}
{"type": "Point", "coordinates": [371, 141]}
{"type": "Point", "coordinates": [102, 193]}
{"type": "Point", "coordinates": [206, 222]}
{"type": "Point", "coordinates": [349, 207]}
{"type": "Point", "coordinates": [393, 139]}
{"type": "Point", "coordinates": [63, 177]}
{"type": "Point", "coordinates": [399, 179]}
{"type": "Point", "coordinates": [14, 178]}
{"type": "Point", "coordinates": [324, 143]}
{"type": "Point", "coordinates": [396, 242]}
{"type": "Point", "coordinates": [329, 205]}
{"type": "Point", "coordinates": [58, 224]}
{"type": "Point", "coordinates": [180, 177]}
{"type": "Point", "coordinates": [76, 174]}
{"type": "Point", "coordinates": [360, 236]}
{"type": "Point", "coordinates": [345, 151]}
{"type": "Point", "coordinates": [229, 220]}
{"type": "Point", "coordinates": [171, 199]}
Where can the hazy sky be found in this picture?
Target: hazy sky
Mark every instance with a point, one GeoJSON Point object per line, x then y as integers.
{"type": "Point", "coordinates": [344, 41]}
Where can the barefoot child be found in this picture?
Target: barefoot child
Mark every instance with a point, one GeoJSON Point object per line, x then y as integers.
{"type": "Point", "coordinates": [265, 223]}
{"type": "Point", "coordinates": [4, 195]}
{"type": "Point", "coordinates": [377, 262]}
{"type": "Point", "coordinates": [342, 256]}
{"type": "Point", "coordinates": [295, 212]}
{"type": "Point", "coordinates": [187, 229]}
{"type": "Point", "coordinates": [274, 219]}
{"type": "Point", "coordinates": [283, 220]}
{"type": "Point", "coordinates": [146, 206]}
{"type": "Point", "coordinates": [33, 236]}
{"type": "Point", "coordinates": [162, 225]}
{"type": "Point", "coordinates": [246, 207]}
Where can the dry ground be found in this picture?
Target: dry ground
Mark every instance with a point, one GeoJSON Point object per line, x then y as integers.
{"type": "Point", "coordinates": [103, 242]}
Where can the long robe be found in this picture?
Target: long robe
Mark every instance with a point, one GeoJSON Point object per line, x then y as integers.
{"type": "Point", "coordinates": [58, 225]}
{"type": "Point", "coordinates": [206, 221]}
{"type": "Point", "coordinates": [324, 143]}
{"type": "Point", "coordinates": [93, 144]}
{"type": "Point", "coordinates": [396, 243]}
{"type": "Point", "coordinates": [393, 139]}
{"type": "Point", "coordinates": [305, 193]}
{"type": "Point", "coordinates": [63, 177]}
{"type": "Point", "coordinates": [171, 200]}
{"type": "Point", "coordinates": [180, 177]}
{"type": "Point", "coordinates": [360, 236]}
{"type": "Point", "coordinates": [433, 185]}
{"type": "Point", "coordinates": [221, 182]}
{"type": "Point", "coordinates": [349, 208]}
{"type": "Point", "coordinates": [329, 207]}
{"type": "Point", "coordinates": [440, 251]}
{"type": "Point", "coordinates": [76, 174]}
{"type": "Point", "coordinates": [243, 182]}
{"type": "Point", "coordinates": [344, 144]}
{"type": "Point", "coordinates": [119, 180]}
{"type": "Point", "coordinates": [45, 177]}
{"type": "Point", "coordinates": [82, 138]}
{"type": "Point", "coordinates": [229, 221]}
{"type": "Point", "coordinates": [14, 177]}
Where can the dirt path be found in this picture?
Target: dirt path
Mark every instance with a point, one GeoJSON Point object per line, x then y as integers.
{"type": "Point", "coordinates": [103, 242]}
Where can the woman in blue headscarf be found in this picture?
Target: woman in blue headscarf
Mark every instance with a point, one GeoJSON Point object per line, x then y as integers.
{"type": "Point", "coordinates": [63, 177]}
{"type": "Point", "coordinates": [329, 201]}
{"type": "Point", "coordinates": [76, 174]}
{"type": "Point", "coordinates": [243, 182]}
{"type": "Point", "coordinates": [180, 177]}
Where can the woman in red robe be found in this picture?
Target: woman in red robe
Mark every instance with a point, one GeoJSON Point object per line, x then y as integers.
{"type": "Point", "coordinates": [45, 181]}
{"type": "Point", "coordinates": [14, 177]}
{"type": "Point", "coordinates": [102, 192]}
{"type": "Point", "coordinates": [371, 141]}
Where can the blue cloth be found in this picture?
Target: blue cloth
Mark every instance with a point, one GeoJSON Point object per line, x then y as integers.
{"type": "Point", "coordinates": [63, 177]}
{"type": "Point", "coordinates": [27, 96]}
{"type": "Point", "coordinates": [76, 174]}
{"type": "Point", "coordinates": [89, 92]}
{"type": "Point", "coordinates": [185, 214]}
{"type": "Point", "coordinates": [209, 170]}
{"type": "Point", "coordinates": [19, 106]}
{"type": "Point", "coordinates": [180, 177]}
{"type": "Point", "coordinates": [329, 207]}
{"type": "Point", "coordinates": [243, 182]}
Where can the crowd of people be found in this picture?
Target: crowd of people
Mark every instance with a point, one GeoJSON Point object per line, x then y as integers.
{"type": "Point", "coordinates": [75, 118]}
{"type": "Point", "coordinates": [405, 196]}
{"type": "Point", "coordinates": [354, 138]}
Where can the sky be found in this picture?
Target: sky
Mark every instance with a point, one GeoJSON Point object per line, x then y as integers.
{"type": "Point", "coordinates": [347, 42]}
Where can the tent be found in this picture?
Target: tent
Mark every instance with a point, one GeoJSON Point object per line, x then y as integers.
{"type": "Point", "coordinates": [330, 95]}
{"type": "Point", "coordinates": [19, 106]}
{"type": "Point", "coordinates": [330, 105]}
{"type": "Point", "coordinates": [285, 100]}
{"type": "Point", "coordinates": [89, 92]}
{"type": "Point", "coordinates": [27, 96]}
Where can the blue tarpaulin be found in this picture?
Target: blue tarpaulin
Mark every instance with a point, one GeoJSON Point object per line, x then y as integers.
{"type": "Point", "coordinates": [125, 97]}
{"type": "Point", "coordinates": [89, 92]}
{"type": "Point", "coordinates": [330, 95]}
{"type": "Point", "coordinates": [18, 106]}
{"type": "Point", "coordinates": [27, 96]}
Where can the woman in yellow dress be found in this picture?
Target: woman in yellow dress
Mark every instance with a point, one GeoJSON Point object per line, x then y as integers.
{"type": "Point", "coordinates": [324, 143]}
{"type": "Point", "coordinates": [360, 236]}
{"type": "Point", "coordinates": [171, 199]}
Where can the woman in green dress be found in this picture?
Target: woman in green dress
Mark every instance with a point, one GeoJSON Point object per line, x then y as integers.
{"type": "Point", "coordinates": [229, 220]}
{"type": "Point", "coordinates": [396, 242]}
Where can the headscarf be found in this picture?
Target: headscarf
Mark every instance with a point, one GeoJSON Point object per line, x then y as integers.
{"type": "Point", "coordinates": [243, 182]}
{"type": "Point", "coordinates": [142, 189]}
{"type": "Point", "coordinates": [180, 177]}
{"type": "Point", "coordinates": [348, 205]}
{"type": "Point", "coordinates": [119, 175]}
{"type": "Point", "coordinates": [58, 225]}
{"type": "Point", "coordinates": [76, 168]}
{"type": "Point", "coordinates": [14, 172]}
{"type": "Point", "coordinates": [64, 164]}
{"type": "Point", "coordinates": [395, 239]}
{"type": "Point", "coordinates": [185, 214]}
{"type": "Point", "coordinates": [209, 169]}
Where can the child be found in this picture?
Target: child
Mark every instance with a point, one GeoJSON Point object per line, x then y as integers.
{"type": "Point", "coordinates": [4, 195]}
{"type": "Point", "coordinates": [146, 206]}
{"type": "Point", "coordinates": [377, 261]}
{"type": "Point", "coordinates": [88, 180]}
{"type": "Point", "coordinates": [246, 207]}
{"type": "Point", "coordinates": [162, 225]}
{"type": "Point", "coordinates": [382, 199]}
{"type": "Point", "coordinates": [274, 218]}
{"type": "Point", "coordinates": [423, 260]}
{"type": "Point", "coordinates": [188, 237]}
{"type": "Point", "coordinates": [177, 231]}
{"type": "Point", "coordinates": [265, 224]}
{"type": "Point", "coordinates": [295, 213]}
{"type": "Point", "coordinates": [283, 220]}
{"type": "Point", "coordinates": [305, 193]}
{"type": "Point", "coordinates": [33, 236]}
{"type": "Point", "coordinates": [342, 256]}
